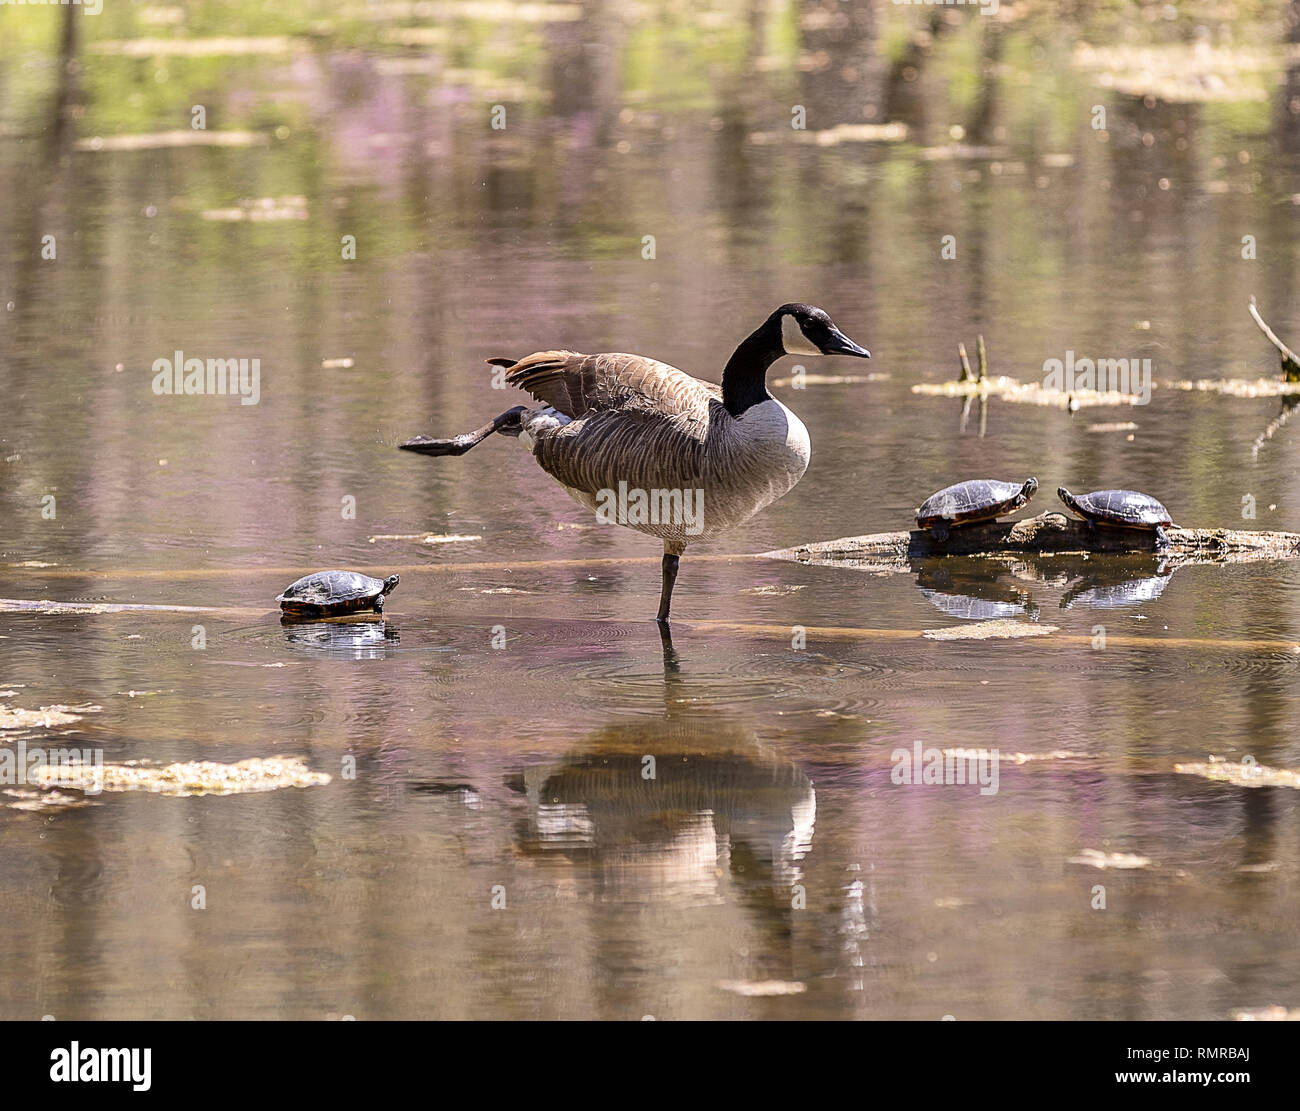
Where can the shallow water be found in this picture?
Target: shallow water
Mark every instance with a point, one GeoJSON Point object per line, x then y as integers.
{"type": "Point", "coordinates": [498, 851]}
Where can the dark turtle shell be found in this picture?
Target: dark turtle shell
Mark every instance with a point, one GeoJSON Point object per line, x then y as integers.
{"type": "Point", "coordinates": [335, 592]}
{"type": "Point", "coordinates": [1126, 508]}
{"type": "Point", "coordinates": [980, 499]}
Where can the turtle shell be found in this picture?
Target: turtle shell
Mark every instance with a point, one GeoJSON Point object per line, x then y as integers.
{"type": "Point", "coordinates": [1128, 508]}
{"type": "Point", "coordinates": [335, 592]}
{"type": "Point", "coordinates": [980, 499]}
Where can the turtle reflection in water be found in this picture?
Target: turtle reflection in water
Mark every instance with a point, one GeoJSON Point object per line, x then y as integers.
{"type": "Point", "coordinates": [358, 639]}
{"type": "Point", "coordinates": [969, 503]}
{"type": "Point", "coordinates": [1117, 587]}
{"type": "Point", "coordinates": [1129, 509]}
{"type": "Point", "coordinates": [333, 593]}
{"type": "Point", "coordinates": [975, 597]}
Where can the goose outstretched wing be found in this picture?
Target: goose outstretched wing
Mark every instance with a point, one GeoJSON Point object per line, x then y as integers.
{"type": "Point", "coordinates": [577, 385]}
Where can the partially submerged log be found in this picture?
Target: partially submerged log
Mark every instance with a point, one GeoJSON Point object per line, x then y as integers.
{"type": "Point", "coordinates": [1049, 533]}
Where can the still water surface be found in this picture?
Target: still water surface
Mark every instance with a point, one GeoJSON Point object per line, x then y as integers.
{"type": "Point", "coordinates": [500, 717]}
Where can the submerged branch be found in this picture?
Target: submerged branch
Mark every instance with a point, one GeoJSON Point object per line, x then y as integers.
{"type": "Point", "coordinates": [1290, 363]}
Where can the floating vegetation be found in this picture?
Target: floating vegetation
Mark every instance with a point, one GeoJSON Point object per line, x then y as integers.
{"type": "Point", "coordinates": [979, 384]}
{"type": "Point", "coordinates": [44, 800]}
{"type": "Point", "coordinates": [491, 11]}
{"type": "Point", "coordinates": [212, 47]}
{"type": "Point", "coordinates": [959, 152]}
{"type": "Point", "coordinates": [403, 67]}
{"type": "Point", "coordinates": [857, 133]}
{"type": "Point", "coordinates": [960, 387]}
{"type": "Point", "coordinates": [834, 136]}
{"type": "Point", "coordinates": [1180, 73]}
{"type": "Point", "coordinates": [1031, 393]}
{"type": "Point", "coordinates": [199, 777]}
{"type": "Point", "coordinates": [999, 627]}
{"type": "Point", "coordinates": [1275, 1013]}
{"type": "Point", "coordinates": [161, 16]}
{"type": "Point", "coordinates": [828, 380]}
{"type": "Point", "coordinates": [414, 36]}
{"type": "Point", "coordinates": [1221, 769]}
{"type": "Point", "coordinates": [425, 537]}
{"type": "Point", "coordinates": [261, 210]}
{"type": "Point", "coordinates": [281, 663]}
{"type": "Point", "coordinates": [759, 988]}
{"type": "Point", "coordinates": [32, 605]}
{"type": "Point", "coordinates": [1028, 393]}
{"type": "Point", "coordinates": [1019, 757]}
{"type": "Point", "coordinates": [1239, 387]}
{"type": "Point", "coordinates": [162, 140]}
{"type": "Point", "coordinates": [1094, 858]}
{"type": "Point", "coordinates": [11, 717]}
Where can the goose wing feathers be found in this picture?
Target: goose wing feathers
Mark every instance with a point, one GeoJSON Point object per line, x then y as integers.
{"type": "Point", "coordinates": [577, 385]}
{"type": "Point", "coordinates": [632, 419]}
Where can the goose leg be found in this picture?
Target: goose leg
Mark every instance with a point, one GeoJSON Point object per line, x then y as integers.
{"type": "Point", "coordinates": [672, 556]}
{"type": "Point", "coordinates": [507, 423]}
{"type": "Point", "coordinates": [672, 664]}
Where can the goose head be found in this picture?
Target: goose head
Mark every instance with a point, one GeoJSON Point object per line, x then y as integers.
{"type": "Point", "coordinates": [808, 330]}
{"type": "Point", "coordinates": [793, 329]}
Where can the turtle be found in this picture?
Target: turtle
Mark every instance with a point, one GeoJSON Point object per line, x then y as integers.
{"type": "Point", "coordinates": [326, 593]}
{"type": "Point", "coordinates": [980, 499]}
{"type": "Point", "coordinates": [1129, 509]}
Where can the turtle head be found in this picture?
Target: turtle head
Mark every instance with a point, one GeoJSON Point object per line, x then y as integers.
{"type": "Point", "coordinates": [390, 583]}
{"type": "Point", "coordinates": [1029, 489]}
{"type": "Point", "coordinates": [808, 330]}
{"type": "Point", "coordinates": [1064, 495]}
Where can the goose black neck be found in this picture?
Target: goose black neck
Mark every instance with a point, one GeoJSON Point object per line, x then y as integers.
{"type": "Point", "coordinates": [744, 381]}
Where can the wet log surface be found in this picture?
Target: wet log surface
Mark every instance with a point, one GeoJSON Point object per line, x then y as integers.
{"type": "Point", "coordinates": [1049, 533]}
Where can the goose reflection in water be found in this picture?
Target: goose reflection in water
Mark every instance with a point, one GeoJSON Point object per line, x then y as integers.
{"type": "Point", "coordinates": [668, 809]}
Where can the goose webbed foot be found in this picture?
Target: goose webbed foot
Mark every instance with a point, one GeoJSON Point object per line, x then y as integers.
{"type": "Point", "coordinates": [509, 423]}
{"type": "Point", "coordinates": [428, 445]}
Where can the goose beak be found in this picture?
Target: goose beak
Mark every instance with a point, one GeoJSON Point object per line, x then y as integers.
{"type": "Point", "coordinates": [840, 344]}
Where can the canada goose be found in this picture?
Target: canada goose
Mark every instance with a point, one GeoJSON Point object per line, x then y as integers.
{"type": "Point", "coordinates": [648, 446]}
